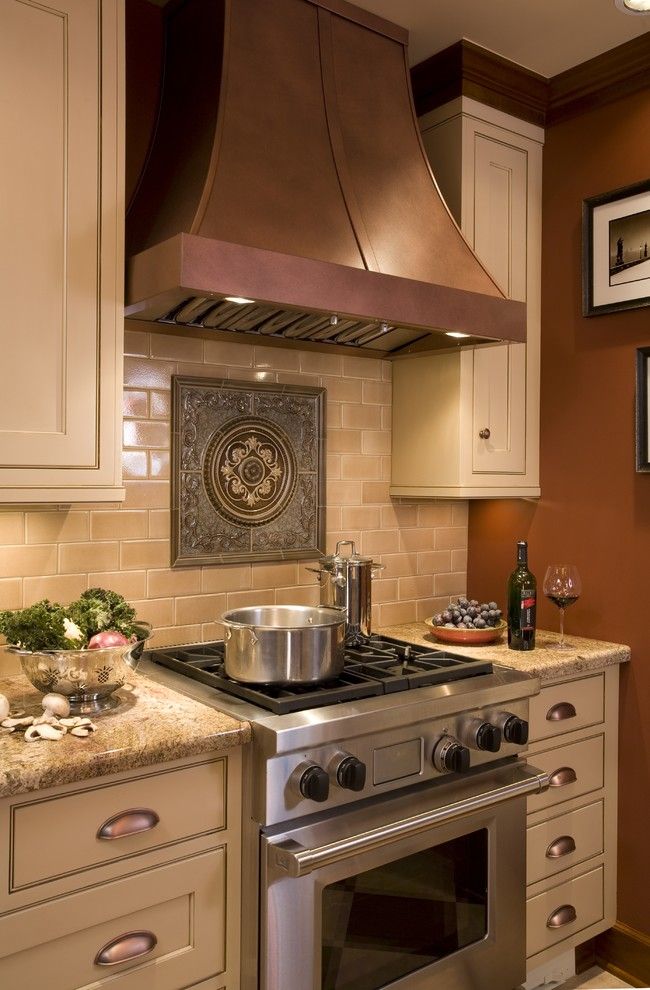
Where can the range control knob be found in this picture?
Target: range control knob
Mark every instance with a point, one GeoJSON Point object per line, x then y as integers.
{"type": "Point", "coordinates": [488, 737]}
{"type": "Point", "coordinates": [515, 730]}
{"type": "Point", "coordinates": [351, 774]}
{"type": "Point", "coordinates": [315, 783]}
{"type": "Point", "coordinates": [450, 756]}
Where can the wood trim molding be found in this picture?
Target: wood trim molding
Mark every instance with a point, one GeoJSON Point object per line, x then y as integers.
{"type": "Point", "coordinates": [465, 69]}
{"type": "Point", "coordinates": [625, 953]}
{"type": "Point", "coordinates": [620, 72]}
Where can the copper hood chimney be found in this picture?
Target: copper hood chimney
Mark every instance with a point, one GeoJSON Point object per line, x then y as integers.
{"type": "Point", "coordinates": [287, 171]}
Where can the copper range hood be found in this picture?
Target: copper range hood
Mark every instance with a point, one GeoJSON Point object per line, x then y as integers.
{"type": "Point", "coordinates": [287, 170]}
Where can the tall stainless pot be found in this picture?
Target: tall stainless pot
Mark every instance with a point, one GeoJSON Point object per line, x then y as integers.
{"type": "Point", "coordinates": [283, 644]}
{"type": "Point", "coordinates": [345, 582]}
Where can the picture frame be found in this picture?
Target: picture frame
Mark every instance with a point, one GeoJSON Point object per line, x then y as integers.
{"type": "Point", "coordinates": [643, 409]}
{"type": "Point", "coordinates": [616, 250]}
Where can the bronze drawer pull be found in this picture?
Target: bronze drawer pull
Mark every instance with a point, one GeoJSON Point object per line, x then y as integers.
{"type": "Point", "coordinates": [562, 846]}
{"type": "Point", "coordinates": [563, 776]}
{"type": "Point", "coordinates": [564, 915]}
{"type": "Point", "coordinates": [129, 822]}
{"type": "Point", "coordinates": [560, 712]}
{"type": "Point", "coordinates": [124, 948]}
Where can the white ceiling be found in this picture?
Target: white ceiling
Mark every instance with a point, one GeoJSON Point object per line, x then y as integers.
{"type": "Point", "coordinates": [547, 36]}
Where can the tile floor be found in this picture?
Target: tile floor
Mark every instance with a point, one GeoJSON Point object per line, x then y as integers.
{"type": "Point", "coordinates": [594, 979]}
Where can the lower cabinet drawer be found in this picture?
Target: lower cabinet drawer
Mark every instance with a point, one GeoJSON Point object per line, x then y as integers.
{"type": "Point", "coordinates": [162, 928]}
{"type": "Point", "coordinates": [575, 770]}
{"type": "Point", "coordinates": [564, 910]}
{"type": "Point", "coordinates": [106, 822]}
{"type": "Point", "coordinates": [564, 841]}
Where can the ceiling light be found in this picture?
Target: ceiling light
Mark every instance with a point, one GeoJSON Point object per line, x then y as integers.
{"type": "Point", "coordinates": [633, 6]}
{"type": "Point", "coordinates": [239, 300]}
{"type": "Point", "coordinates": [455, 333]}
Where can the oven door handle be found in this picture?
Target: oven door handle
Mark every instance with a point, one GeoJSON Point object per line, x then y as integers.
{"type": "Point", "coordinates": [298, 861]}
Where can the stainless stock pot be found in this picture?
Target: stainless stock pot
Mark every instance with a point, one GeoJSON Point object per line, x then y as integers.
{"type": "Point", "coordinates": [284, 644]}
{"type": "Point", "coordinates": [345, 582]}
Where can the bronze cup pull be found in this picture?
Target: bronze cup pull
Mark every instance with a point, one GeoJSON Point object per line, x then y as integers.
{"type": "Point", "coordinates": [564, 915]}
{"type": "Point", "coordinates": [129, 822]}
{"type": "Point", "coordinates": [562, 777]}
{"type": "Point", "coordinates": [560, 712]}
{"type": "Point", "coordinates": [562, 846]}
{"type": "Point", "coordinates": [124, 948]}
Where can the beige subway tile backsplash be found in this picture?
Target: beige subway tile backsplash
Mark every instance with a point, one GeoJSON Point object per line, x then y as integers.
{"type": "Point", "coordinates": [11, 593]}
{"type": "Point", "coordinates": [56, 527]}
{"type": "Point", "coordinates": [130, 524]}
{"type": "Point", "coordinates": [61, 588]}
{"type": "Point", "coordinates": [57, 553]}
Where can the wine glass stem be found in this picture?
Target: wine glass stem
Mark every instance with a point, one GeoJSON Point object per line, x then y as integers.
{"type": "Point", "coordinates": [561, 644]}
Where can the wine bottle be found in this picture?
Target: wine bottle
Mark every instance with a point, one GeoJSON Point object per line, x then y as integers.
{"type": "Point", "coordinates": [522, 600]}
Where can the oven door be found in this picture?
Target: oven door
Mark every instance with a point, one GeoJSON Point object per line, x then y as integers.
{"type": "Point", "coordinates": [410, 892]}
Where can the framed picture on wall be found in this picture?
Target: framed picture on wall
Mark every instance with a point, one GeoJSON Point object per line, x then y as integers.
{"type": "Point", "coordinates": [616, 250]}
{"type": "Point", "coordinates": [643, 409]}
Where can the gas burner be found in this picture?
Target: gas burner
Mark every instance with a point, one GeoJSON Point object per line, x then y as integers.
{"type": "Point", "coordinates": [376, 666]}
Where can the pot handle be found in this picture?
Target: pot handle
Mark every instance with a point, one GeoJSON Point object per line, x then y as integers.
{"type": "Point", "coordinates": [317, 571]}
{"type": "Point", "coordinates": [230, 625]}
{"type": "Point", "coordinates": [374, 568]}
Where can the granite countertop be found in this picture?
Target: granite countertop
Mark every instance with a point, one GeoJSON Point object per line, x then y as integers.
{"type": "Point", "coordinates": [545, 661]}
{"type": "Point", "coordinates": [153, 725]}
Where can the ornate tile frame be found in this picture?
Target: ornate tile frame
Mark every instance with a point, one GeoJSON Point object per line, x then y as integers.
{"type": "Point", "coordinates": [230, 442]}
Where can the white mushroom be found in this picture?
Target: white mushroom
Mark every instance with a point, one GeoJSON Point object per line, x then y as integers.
{"type": "Point", "coordinates": [4, 706]}
{"type": "Point", "coordinates": [57, 704]}
{"type": "Point", "coordinates": [71, 722]}
{"type": "Point", "coordinates": [32, 734]}
{"type": "Point", "coordinates": [49, 732]}
{"type": "Point", "coordinates": [80, 730]}
{"type": "Point", "coordinates": [17, 723]}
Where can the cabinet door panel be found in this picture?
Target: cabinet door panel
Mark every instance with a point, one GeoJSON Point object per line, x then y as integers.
{"type": "Point", "coordinates": [499, 406]}
{"type": "Point", "coordinates": [49, 174]}
{"type": "Point", "coordinates": [500, 212]}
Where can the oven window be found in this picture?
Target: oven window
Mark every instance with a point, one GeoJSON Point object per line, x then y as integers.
{"type": "Point", "coordinates": [381, 925]}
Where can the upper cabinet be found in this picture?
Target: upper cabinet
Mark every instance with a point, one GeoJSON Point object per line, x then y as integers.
{"type": "Point", "coordinates": [61, 260]}
{"type": "Point", "coordinates": [466, 422]}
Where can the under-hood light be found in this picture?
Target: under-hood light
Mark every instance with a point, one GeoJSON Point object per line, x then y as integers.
{"type": "Point", "coordinates": [455, 333]}
{"type": "Point", "coordinates": [239, 300]}
{"type": "Point", "coordinates": [633, 6]}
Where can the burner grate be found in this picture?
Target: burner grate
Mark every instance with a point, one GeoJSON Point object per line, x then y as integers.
{"type": "Point", "coordinates": [379, 665]}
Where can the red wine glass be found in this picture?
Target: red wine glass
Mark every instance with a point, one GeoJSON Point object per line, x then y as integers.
{"type": "Point", "coordinates": [562, 586]}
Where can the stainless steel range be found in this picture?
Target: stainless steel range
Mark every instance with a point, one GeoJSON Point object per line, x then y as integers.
{"type": "Point", "coordinates": [384, 836]}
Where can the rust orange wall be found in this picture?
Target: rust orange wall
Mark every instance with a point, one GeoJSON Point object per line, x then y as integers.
{"type": "Point", "coordinates": [595, 509]}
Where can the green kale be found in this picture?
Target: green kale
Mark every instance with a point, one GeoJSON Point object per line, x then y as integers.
{"type": "Point", "coordinates": [98, 609]}
{"type": "Point", "coordinates": [39, 627]}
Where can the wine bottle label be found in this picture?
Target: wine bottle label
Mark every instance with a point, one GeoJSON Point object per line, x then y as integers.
{"type": "Point", "coordinates": [527, 609]}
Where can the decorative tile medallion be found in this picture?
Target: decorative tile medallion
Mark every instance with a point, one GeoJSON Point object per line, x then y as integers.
{"type": "Point", "coordinates": [248, 474]}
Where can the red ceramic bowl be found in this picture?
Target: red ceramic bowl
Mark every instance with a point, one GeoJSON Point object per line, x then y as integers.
{"type": "Point", "coordinates": [467, 637]}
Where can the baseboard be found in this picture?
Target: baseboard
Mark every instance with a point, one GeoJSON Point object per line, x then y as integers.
{"type": "Point", "coordinates": [585, 955]}
{"type": "Point", "coordinates": [625, 953]}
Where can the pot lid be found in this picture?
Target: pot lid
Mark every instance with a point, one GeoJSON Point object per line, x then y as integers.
{"type": "Point", "coordinates": [337, 559]}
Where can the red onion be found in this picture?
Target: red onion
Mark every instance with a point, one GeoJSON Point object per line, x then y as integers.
{"type": "Point", "coordinates": [110, 637]}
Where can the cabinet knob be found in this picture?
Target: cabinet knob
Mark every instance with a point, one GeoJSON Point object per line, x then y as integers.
{"type": "Point", "coordinates": [484, 434]}
{"type": "Point", "coordinates": [124, 948]}
{"type": "Point", "coordinates": [129, 822]}
{"type": "Point", "coordinates": [562, 916]}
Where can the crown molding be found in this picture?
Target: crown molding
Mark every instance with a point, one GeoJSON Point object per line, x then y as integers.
{"type": "Point", "coordinates": [465, 69]}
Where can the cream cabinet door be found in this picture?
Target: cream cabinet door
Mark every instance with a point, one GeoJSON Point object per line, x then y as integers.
{"type": "Point", "coordinates": [497, 228]}
{"type": "Point", "coordinates": [488, 166]}
{"type": "Point", "coordinates": [499, 409]}
{"type": "Point", "coordinates": [61, 256]}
